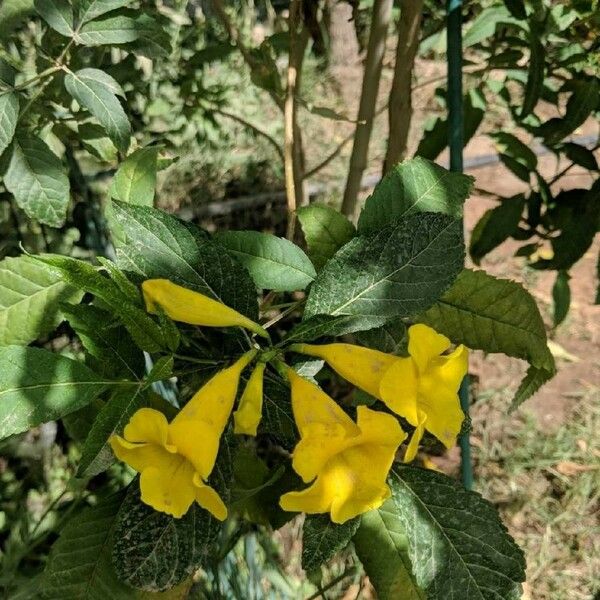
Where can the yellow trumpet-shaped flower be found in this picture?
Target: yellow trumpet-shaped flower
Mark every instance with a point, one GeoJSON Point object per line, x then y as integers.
{"type": "Point", "coordinates": [175, 459]}
{"type": "Point", "coordinates": [347, 462]}
{"type": "Point", "coordinates": [422, 388]}
{"type": "Point", "coordinates": [187, 306]}
{"type": "Point", "coordinates": [361, 366]}
{"type": "Point", "coordinates": [247, 417]}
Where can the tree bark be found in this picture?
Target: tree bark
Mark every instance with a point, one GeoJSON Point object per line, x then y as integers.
{"type": "Point", "coordinates": [382, 11]}
{"type": "Point", "coordinates": [400, 107]}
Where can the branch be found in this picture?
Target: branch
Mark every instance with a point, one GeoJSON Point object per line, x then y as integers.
{"type": "Point", "coordinates": [251, 126]}
{"type": "Point", "coordinates": [400, 111]}
{"type": "Point", "coordinates": [382, 11]}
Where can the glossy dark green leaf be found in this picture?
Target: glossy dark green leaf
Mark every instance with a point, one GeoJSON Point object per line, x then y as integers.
{"type": "Point", "coordinates": [322, 539]}
{"type": "Point", "coordinates": [414, 186]}
{"type": "Point", "coordinates": [97, 91]}
{"type": "Point", "coordinates": [38, 181]}
{"type": "Point", "coordinates": [37, 386]}
{"type": "Point", "coordinates": [325, 230]}
{"type": "Point", "coordinates": [154, 551]}
{"type": "Point", "coordinates": [580, 155]}
{"type": "Point", "coordinates": [382, 547]}
{"type": "Point", "coordinates": [495, 226]}
{"type": "Point", "coordinates": [79, 567]}
{"type": "Point", "coordinates": [397, 272]}
{"type": "Point", "coordinates": [457, 544]}
{"type": "Point", "coordinates": [274, 263]}
{"type": "Point", "coordinates": [158, 245]}
{"type": "Point", "coordinates": [512, 146]}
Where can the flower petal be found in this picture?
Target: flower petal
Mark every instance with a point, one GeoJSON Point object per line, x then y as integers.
{"type": "Point", "coordinates": [147, 426]}
{"type": "Point", "coordinates": [379, 428]}
{"type": "Point", "coordinates": [169, 487]}
{"type": "Point", "coordinates": [444, 415]}
{"type": "Point", "coordinates": [398, 389]}
{"type": "Point", "coordinates": [213, 402]}
{"type": "Point", "coordinates": [187, 306]}
{"type": "Point", "coordinates": [424, 343]}
{"type": "Point", "coordinates": [361, 501]}
{"type": "Point", "coordinates": [208, 499]}
{"type": "Point", "coordinates": [247, 416]}
{"type": "Point", "coordinates": [314, 499]}
{"type": "Point", "coordinates": [197, 441]}
{"type": "Point", "coordinates": [312, 405]}
{"type": "Point", "coordinates": [451, 369]}
{"type": "Point", "coordinates": [138, 456]}
{"type": "Point", "coordinates": [413, 445]}
{"type": "Point", "coordinates": [362, 367]}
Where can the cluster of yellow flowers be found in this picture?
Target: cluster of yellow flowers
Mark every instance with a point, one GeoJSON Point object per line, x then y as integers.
{"type": "Point", "coordinates": [346, 462]}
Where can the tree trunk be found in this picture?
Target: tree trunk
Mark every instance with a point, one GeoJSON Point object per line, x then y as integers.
{"type": "Point", "coordinates": [400, 106]}
{"type": "Point", "coordinates": [382, 11]}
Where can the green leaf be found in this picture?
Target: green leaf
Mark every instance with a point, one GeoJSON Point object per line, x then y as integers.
{"type": "Point", "coordinates": [391, 338]}
{"type": "Point", "coordinates": [484, 26]}
{"type": "Point", "coordinates": [153, 40]}
{"type": "Point", "coordinates": [535, 74]}
{"type": "Point", "coordinates": [37, 180]}
{"type": "Point", "coordinates": [580, 105]}
{"type": "Point", "coordinates": [107, 341]}
{"type": "Point", "coordinates": [97, 91]}
{"type": "Point", "coordinates": [516, 167]}
{"type": "Point", "coordinates": [37, 386]}
{"type": "Point", "coordinates": [96, 142]}
{"type": "Point", "coordinates": [57, 13]}
{"type": "Point", "coordinates": [277, 419]}
{"type": "Point", "coordinates": [96, 455]}
{"type": "Point", "coordinates": [561, 295]}
{"type": "Point", "coordinates": [322, 539]}
{"type": "Point", "coordinates": [397, 272]}
{"type": "Point", "coordinates": [516, 8]}
{"type": "Point", "coordinates": [92, 9]}
{"type": "Point", "coordinates": [382, 547]}
{"type": "Point", "coordinates": [154, 551]}
{"type": "Point", "coordinates": [158, 245]}
{"type": "Point", "coordinates": [512, 146]}
{"type": "Point", "coordinates": [119, 29]}
{"type": "Point", "coordinates": [435, 136]}
{"type": "Point", "coordinates": [534, 379]}
{"type": "Point", "coordinates": [494, 315]}
{"type": "Point", "coordinates": [146, 333]}
{"type": "Point", "coordinates": [9, 113]}
{"type": "Point", "coordinates": [326, 230]}
{"type": "Point", "coordinates": [161, 370]}
{"type": "Point", "coordinates": [135, 179]}
{"type": "Point", "coordinates": [414, 186]}
{"type": "Point", "coordinates": [495, 226]}
{"type": "Point", "coordinates": [319, 326]}
{"type": "Point", "coordinates": [273, 263]}
{"type": "Point", "coordinates": [457, 544]}
{"type": "Point", "coordinates": [30, 295]}
{"type": "Point", "coordinates": [12, 14]}
{"type": "Point", "coordinates": [580, 155]}
{"type": "Point", "coordinates": [79, 567]}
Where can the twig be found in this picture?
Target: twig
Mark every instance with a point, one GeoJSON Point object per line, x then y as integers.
{"type": "Point", "coordinates": [400, 110]}
{"type": "Point", "coordinates": [253, 127]}
{"type": "Point", "coordinates": [382, 11]}
{"type": "Point", "coordinates": [346, 573]}
{"type": "Point", "coordinates": [31, 81]}
{"type": "Point", "coordinates": [284, 313]}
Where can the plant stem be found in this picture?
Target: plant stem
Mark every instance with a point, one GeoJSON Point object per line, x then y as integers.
{"type": "Point", "coordinates": [382, 11]}
{"type": "Point", "coordinates": [400, 108]}
{"type": "Point", "coordinates": [284, 313]}
{"type": "Point", "coordinates": [200, 361]}
{"type": "Point", "coordinates": [26, 84]}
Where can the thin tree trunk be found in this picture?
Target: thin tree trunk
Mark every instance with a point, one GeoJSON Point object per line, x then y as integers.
{"type": "Point", "coordinates": [382, 11]}
{"type": "Point", "coordinates": [400, 107]}
{"type": "Point", "coordinates": [293, 154]}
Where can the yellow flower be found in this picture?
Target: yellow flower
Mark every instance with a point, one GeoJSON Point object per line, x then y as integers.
{"type": "Point", "coordinates": [187, 306]}
{"type": "Point", "coordinates": [247, 417]}
{"type": "Point", "coordinates": [347, 462]}
{"type": "Point", "coordinates": [422, 388]}
{"type": "Point", "coordinates": [175, 459]}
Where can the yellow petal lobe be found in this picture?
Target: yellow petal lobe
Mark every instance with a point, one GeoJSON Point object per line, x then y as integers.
{"type": "Point", "coordinates": [187, 306]}
{"type": "Point", "coordinates": [247, 417]}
